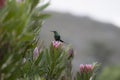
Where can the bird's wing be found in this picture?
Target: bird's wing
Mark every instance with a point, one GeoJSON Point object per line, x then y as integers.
{"type": "Point", "coordinates": [57, 37]}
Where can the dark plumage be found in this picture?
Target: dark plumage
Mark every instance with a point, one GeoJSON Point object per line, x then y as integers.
{"type": "Point", "coordinates": [57, 36]}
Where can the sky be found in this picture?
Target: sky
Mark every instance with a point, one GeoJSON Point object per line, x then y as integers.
{"type": "Point", "coordinates": [101, 10]}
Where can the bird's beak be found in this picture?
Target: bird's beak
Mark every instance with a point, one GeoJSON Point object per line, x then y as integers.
{"type": "Point", "coordinates": [51, 31]}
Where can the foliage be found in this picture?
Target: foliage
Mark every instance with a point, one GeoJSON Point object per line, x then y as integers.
{"type": "Point", "coordinates": [20, 23]}
{"type": "Point", "coordinates": [49, 64]}
{"type": "Point", "coordinates": [110, 73]}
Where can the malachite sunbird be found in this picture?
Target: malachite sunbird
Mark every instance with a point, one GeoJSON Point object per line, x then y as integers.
{"type": "Point", "coordinates": [57, 36]}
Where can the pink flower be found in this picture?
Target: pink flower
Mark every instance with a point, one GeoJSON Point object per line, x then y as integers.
{"type": "Point", "coordinates": [88, 68]}
{"type": "Point", "coordinates": [56, 44]}
{"type": "Point", "coordinates": [87, 71]}
{"type": "Point", "coordinates": [82, 68]}
{"type": "Point", "coordinates": [35, 53]}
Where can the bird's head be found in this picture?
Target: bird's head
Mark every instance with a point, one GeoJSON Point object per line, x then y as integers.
{"type": "Point", "coordinates": [55, 32]}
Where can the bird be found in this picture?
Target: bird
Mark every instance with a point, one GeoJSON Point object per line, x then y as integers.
{"type": "Point", "coordinates": [57, 36]}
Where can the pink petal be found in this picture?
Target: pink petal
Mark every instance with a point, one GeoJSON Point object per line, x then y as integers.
{"type": "Point", "coordinates": [81, 67]}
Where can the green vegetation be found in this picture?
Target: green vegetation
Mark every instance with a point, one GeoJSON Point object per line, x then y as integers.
{"type": "Point", "coordinates": [20, 23]}
{"type": "Point", "coordinates": [110, 73]}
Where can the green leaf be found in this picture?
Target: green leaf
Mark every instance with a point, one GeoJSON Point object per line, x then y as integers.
{"type": "Point", "coordinates": [41, 8]}
{"type": "Point", "coordinates": [34, 4]}
{"type": "Point", "coordinates": [78, 76]}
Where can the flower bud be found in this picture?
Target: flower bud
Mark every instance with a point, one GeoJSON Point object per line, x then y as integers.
{"type": "Point", "coordinates": [88, 68]}
{"type": "Point", "coordinates": [87, 71]}
{"type": "Point", "coordinates": [82, 68]}
{"type": "Point", "coordinates": [56, 44]}
{"type": "Point", "coordinates": [35, 53]}
{"type": "Point", "coordinates": [70, 53]}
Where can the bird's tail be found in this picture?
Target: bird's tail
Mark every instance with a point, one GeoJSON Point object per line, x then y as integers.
{"type": "Point", "coordinates": [63, 41]}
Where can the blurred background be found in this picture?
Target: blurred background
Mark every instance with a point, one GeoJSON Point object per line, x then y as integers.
{"type": "Point", "coordinates": [92, 27]}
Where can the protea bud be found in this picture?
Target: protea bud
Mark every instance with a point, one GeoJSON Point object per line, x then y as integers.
{"type": "Point", "coordinates": [56, 44]}
{"type": "Point", "coordinates": [35, 53]}
{"type": "Point", "coordinates": [88, 68]}
{"type": "Point", "coordinates": [70, 53]}
{"type": "Point", "coordinates": [81, 68]}
{"type": "Point", "coordinates": [89, 71]}
{"type": "Point", "coordinates": [86, 71]}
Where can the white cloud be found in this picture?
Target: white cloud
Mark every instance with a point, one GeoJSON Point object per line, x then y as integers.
{"type": "Point", "coordinates": [103, 10]}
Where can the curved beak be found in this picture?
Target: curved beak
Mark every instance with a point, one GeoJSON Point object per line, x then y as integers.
{"type": "Point", "coordinates": [51, 31]}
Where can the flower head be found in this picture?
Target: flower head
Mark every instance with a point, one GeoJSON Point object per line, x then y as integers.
{"type": "Point", "coordinates": [35, 53]}
{"type": "Point", "coordinates": [70, 53]}
{"type": "Point", "coordinates": [81, 68]}
{"type": "Point", "coordinates": [56, 44]}
{"type": "Point", "coordinates": [87, 71]}
{"type": "Point", "coordinates": [86, 68]}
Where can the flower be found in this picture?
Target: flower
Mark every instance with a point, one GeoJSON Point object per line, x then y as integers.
{"type": "Point", "coordinates": [56, 44]}
{"type": "Point", "coordinates": [35, 53]}
{"type": "Point", "coordinates": [82, 68]}
{"type": "Point", "coordinates": [71, 53]}
{"type": "Point", "coordinates": [88, 68]}
{"type": "Point", "coordinates": [88, 71]}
